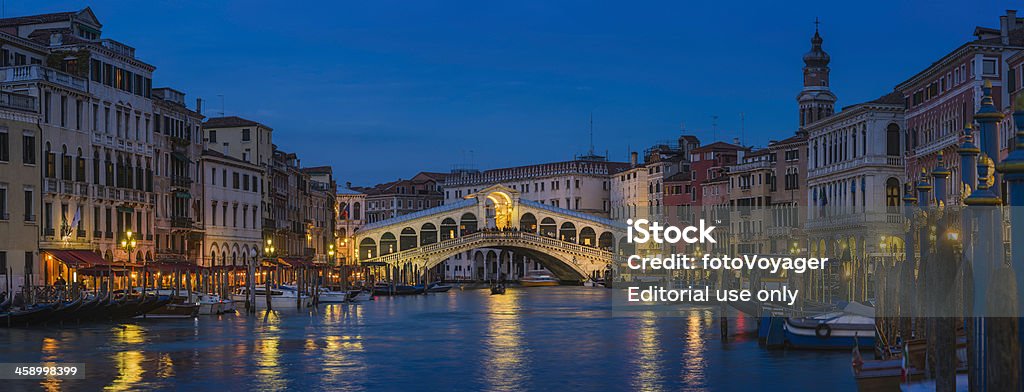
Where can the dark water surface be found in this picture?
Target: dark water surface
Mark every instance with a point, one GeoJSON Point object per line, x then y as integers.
{"type": "Point", "coordinates": [540, 338]}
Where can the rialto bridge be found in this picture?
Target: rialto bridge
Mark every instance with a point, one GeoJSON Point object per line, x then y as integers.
{"type": "Point", "coordinates": [572, 245]}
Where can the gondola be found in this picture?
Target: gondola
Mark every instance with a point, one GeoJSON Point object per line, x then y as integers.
{"type": "Point", "coordinates": [7, 301]}
{"type": "Point", "coordinates": [498, 289]}
{"type": "Point", "coordinates": [87, 307]}
{"type": "Point", "coordinates": [18, 318]}
{"type": "Point", "coordinates": [398, 290]}
{"type": "Point", "coordinates": [61, 314]}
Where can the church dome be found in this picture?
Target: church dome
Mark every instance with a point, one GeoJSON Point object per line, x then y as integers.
{"type": "Point", "coordinates": [817, 56]}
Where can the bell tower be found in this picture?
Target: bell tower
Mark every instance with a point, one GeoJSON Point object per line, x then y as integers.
{"type": "Point", "coordinates": [816, 100]}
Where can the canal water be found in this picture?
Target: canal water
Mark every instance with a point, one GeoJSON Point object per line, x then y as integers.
{"type": "Point", "coordinates": [539, 338]}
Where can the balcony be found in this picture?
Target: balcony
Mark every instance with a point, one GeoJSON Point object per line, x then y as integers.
{"type": "Point", "coordinates": [30, 218]}
{"type": "Point", "coordinates": [839, 221]}
{"type": "Point", "coordinates": [5, 216]}
{"type": "Point", "coordinates": [50, 185]}
{"type": "Point", "coordinates": [18, 101]}
{"type": "Point", "coordinates": [882, 161]}
{"type": "Point", "coordinates": [97, 234]}
{"type": "Point", "coordinates": [780, 231]}
{"type": "Point", "coordinates": [181, 181]}
{"type": "Point", "coordinates": [181, 222]}
{"type": "Point", "coordinates": [37, 72]}
{"type": "Point", "coordinates": [80, 233]}
{"type": "Point", "coordinates": [82, 189]}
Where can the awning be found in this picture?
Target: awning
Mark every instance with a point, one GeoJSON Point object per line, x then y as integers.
{"type": "Point", "coordinates": [77, 258]}
{"type": "Point", "coordinates": [183, 195]}
{"type": "Point", "coordinates": [294, 262]}
{"type": "Point", "coordinates": [171, 266]}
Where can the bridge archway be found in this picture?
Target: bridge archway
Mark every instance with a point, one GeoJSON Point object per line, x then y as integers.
{"type": "Point", "coordinates": [367, 248]}
{"type": "Point", "coordinates": [528, 222]}
{"type": "Point", "coordinates": [588, 237]}
{"type": "Point", "coordinates": [449, 229]}
{"type": "Point", "coordinates": [499, 209]}
{"type": "Point", "coordinates": [428, 234]}
{"type": "Point", "coordinates": [548, 228]}
{"type": "Point", "coordinates": [388, 244]}
{"type": "Point", "coordinates": [567, 232]}
{"type": "Point", "coordinates": [467, 224]}
{"type": "Point", "coordinates": [606, 241]}
{"type": "Point", "coordinates": [407, 239]}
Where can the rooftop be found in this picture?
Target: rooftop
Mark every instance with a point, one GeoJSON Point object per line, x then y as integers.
{"type": "Point", "coordinates": [228, 122]}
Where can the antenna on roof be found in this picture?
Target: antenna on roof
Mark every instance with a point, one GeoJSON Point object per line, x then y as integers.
{"type": "Point", "coordinates": [221, 104]}
{"type": "Point", "coordinates": [742, 124]}
{"type": "Point", "coordinates": [714, 126]}
{"type": "Point", "coordinates": [591, 133]}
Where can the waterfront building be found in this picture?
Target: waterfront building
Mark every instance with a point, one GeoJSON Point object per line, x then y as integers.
{"type": "Point", "coordinates": [95, 135]}
{"type": "Point", "coordinates": [400, 197]}
{"type": "Point", "coordinates": [232, 203]}
{"type": "Point", "coordinates": [629, 191]}
{"type": "Point", "coordinates": [944, 96]}
{"type": "Point", "coordinates": [19, 190]}
{"type": "Point", "coordinates": [178, 141]}
{"type": "Point", "coordinates": [320, 216]}
{"type": "Point", "coordinates": [350, 204]}
{"type": "Point", "coordinates": [856, 178]}
{"type": "Point", "coordinates": [766, 197]}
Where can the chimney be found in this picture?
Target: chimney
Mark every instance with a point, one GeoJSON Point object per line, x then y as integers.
{"type": "Point", "coordinates": [736, 141]}
{"type": "Point", "coordinates": [348, 184]}
{"type": "Point", "coordinates": [1011, 20]}
{"type": "Point", "coordinates": [632, 158]}
{"type": "Point", "coordinates": [199, 105]}
{"type": "Point", "coordinates": [1004, 30]}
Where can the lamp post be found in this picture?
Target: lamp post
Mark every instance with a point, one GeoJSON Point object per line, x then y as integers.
{"type": "Point", "coordinates": [128, 244]}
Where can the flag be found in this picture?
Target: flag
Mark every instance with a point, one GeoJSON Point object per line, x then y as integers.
{"type": "Point", "coordinates": [77, 219]}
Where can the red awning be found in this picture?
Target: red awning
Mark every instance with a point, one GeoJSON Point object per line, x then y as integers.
{"type": "Point", "coordinates": [295, 262]}
{"type": "Point", "coordinates": [77, 258]}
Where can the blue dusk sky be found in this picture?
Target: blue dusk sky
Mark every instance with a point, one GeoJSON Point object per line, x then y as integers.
{"type": "Point", "coordinates": [384, 89]}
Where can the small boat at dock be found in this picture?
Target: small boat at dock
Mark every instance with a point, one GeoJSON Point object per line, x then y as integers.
{"type": "Point", "coordinates": [279, 298]}
{"type": "Point", "coordinates": [437, 287]}
{"type": "Point", "coordinates": [498, 289]}
{"type": "Point", "coordinates": [853, 326]}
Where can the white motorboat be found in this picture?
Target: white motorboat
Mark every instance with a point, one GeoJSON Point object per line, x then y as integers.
{"type": "Point", "coordinates": [324, 295]}
{"type": "Point", "coordinates": [209, 303]}
{"type": "Point", "coordinates": [280, 298]}
{"type": "Point", "coordinates": [359, 295]}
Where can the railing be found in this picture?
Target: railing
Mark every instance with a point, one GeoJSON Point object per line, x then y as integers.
{"type": "Point", "coordinates": [82, 189]}
{"type": "Point", "coordinates": [894, 162]}
{"type": "Point", "coordinates": [779, 231]}
{"type": "Point", "coordinates": [50, 185]}
{"type": "Point", "coordinates": [855, 219]}
{"type": "Point", "coordinates": [181, 181]}
{"type": "Point", "coordinates": [18, 101]}
{"type": "Point", "coordinates": [32, 72]}
{"type": "Point", "coordinates": [181, 222]}
{"type": "Point", "coordinates": [5, 216]}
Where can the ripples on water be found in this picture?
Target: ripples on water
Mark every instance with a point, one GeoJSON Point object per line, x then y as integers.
{"type": "Point", "coordinates": [540, 338]}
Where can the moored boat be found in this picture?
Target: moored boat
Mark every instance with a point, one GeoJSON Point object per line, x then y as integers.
{"type": "Point", "coordinates": [359, 295]}
{"type": "Point", "coordinates": [854, 326]}
{"type": "Point", "coordinates": [437, 287]}
{"type": "Point", "coordinates": [498, 289]}
{"type": "Point", "coordinates": [537, 279]}
{"type": "Point", "coordinates": [279, 298]}
{"type": "Point", "coordinates": [397, 290]}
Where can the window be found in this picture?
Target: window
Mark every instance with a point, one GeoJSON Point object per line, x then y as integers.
{"type": "Point", "coordinates": [28, 263]}
{"type": "Point", "coordinates": [245, 182]}
{"type": "Point", "coordinates": [28, 153]}
{"type": "Point", "coordinates": [29, 206]}
{"type": "Point", "coordinates": [5, 146]}
{"type": "Point", "coordinates": [213, 136]}
{"type": "Point", "coordinates": [234, 180]}
{"type": "Point", "coordinates": [245, 135]}
{"type": "Point", "coordinates": [3, 203]}
{"type": "Point", "coordinates": [988, 67]}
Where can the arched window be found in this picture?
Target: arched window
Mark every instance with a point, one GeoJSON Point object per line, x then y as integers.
{"type": "Point", "coordinates": [357, 211]}
{"type": "Point", "coordinates": [892, 195]}
{"type": "Point", "coordinates": [892, 140]}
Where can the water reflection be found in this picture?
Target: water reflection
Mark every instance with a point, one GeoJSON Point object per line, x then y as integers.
{"type": "Point", "coordinates": [528, 339]}
{"type": "Point", "coordinates": [694, 358]}
{"type": "Point", "coordinates": [505, 365]}
{"type": "Point", "coordinates": [647, 359]}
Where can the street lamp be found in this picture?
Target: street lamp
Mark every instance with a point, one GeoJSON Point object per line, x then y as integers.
{"type": "Point", "coordinates": [128, 244]}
